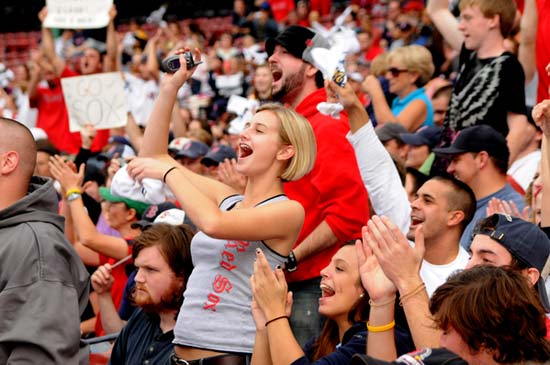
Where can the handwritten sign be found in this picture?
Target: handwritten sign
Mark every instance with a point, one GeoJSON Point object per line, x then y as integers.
{"type": "Point", "coordinates": [97, 99]}
{"type": "Point", "coordinates": [80, 14]}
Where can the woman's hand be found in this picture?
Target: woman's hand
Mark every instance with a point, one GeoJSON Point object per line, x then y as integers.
{"type": "Point", "coordinates": [65, 173]}
{"type": "Point", "coordinates": [371, 84]}
{"type": "Point", "coordinates": [227, 174]}
{"type": "Point", "coordinates": [146, 167]}
{"type": "Point", "coordinates": [177, 79]}
{"type": "Point", "coordinates": [269, 288]}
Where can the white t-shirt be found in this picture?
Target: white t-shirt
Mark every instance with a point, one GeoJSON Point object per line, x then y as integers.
{"type": "Point", "coordinates": [435, 275]}
{"type": "Point", "coordinates": [141, 95]}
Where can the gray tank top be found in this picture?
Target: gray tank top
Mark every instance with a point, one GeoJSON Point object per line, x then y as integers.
{"type": "Point", "coordinates": [216, 314]}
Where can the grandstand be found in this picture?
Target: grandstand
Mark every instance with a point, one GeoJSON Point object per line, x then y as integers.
{"type": "Point", "coordinates": [20, 27]}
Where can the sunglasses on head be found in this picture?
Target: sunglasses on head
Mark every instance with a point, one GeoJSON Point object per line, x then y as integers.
{"type": "Point", "coordinates": [396, 71]}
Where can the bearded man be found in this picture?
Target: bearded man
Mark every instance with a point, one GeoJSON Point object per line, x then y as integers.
{"type": "Point", "coordinates": [163, 262]}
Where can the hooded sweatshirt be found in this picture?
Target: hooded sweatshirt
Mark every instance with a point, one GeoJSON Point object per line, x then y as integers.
{"type": "Point", "coordinates": [43, 283]}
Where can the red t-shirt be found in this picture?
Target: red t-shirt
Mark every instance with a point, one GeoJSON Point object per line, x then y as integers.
{"type": "Point", "coordinates": [54, 119]}
{"type": "Point", "coordinates": [281, 8]}
{"type": "Point", "coordinates": [333, 191]}
{"type": "Point", "coordinates": [117, 290]}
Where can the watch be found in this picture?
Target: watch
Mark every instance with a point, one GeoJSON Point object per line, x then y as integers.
{"type": "Point", "coordinates": [73, 196]}
{"type": "Point", "coordinates": [291, 263]}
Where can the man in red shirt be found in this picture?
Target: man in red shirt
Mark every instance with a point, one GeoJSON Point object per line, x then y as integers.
{"type": "Point", "coordinates": [333, 194]}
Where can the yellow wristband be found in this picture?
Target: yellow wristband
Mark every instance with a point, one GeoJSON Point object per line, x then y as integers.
{"type": "Point", "coordinates": [383, 328]}
{"type": "Point", "coordinates": [73, 191]}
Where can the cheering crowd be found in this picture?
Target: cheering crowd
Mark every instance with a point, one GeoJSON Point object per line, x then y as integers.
{"type": "Point", "coordinates": [381, 203]}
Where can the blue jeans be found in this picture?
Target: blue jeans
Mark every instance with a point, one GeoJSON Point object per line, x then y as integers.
{"type": "Point", "coordinates": [305, 319]}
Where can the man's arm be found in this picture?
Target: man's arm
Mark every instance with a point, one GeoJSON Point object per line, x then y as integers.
{"type": "Point", "coordinates": [528, 39]}
{"type": "Point", "coordinates": [48, 46]}
{"type": "Point", "coordinates": [516, 138]}
{"type": "Point", "coordinates": [321, 238]}
{"type": "Point", "coordinates": [445, 22]}
{"type": "Point", "coordinates": [386, 192]}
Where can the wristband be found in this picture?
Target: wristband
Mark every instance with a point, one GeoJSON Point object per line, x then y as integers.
{"type": "Point", "coordinates": [167, 172]}
{"type": "Point", "coordinates": [291, 263]}
{"type": "Point", "coordinates": [275, 319]}
{"type": "Point", "coordinates": [73, 191]}
{"type": "Point", "coordinates": [383, 328]}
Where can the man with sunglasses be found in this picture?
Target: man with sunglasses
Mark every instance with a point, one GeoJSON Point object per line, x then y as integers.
{"type": "Point", "coordinates": [489, 88]}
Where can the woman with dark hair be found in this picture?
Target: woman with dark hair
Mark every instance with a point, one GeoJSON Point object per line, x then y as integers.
{"type": "Point", "coordinates": [344, 303]}
{"type": "Point", "coordinates": [491, 315]}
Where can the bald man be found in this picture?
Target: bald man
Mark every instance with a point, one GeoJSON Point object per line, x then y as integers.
{"type": "Point", "coordinates": [43, 283]}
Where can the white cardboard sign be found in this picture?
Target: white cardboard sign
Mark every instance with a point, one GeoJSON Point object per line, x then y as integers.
{"type": "Point", "coordinates": [77, 14]}
{"type": "Point", "coordinates": [98, 99]}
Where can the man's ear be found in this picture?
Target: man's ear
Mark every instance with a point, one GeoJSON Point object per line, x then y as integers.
{"type": "Point", "coordinates": [455, 218]}
{"type": "Point", "coordinates": [8, 162]}
{"type": "Point", "coordinates": [310, 70]}
{"type": "Point", "coordinates": [131, 214]}
{"type": "Point", "coordinates": [532, 275]}
{"type": "Point", "coordinates": [286, 152]}
{"type": "Point", "coordinates": [494, 22]}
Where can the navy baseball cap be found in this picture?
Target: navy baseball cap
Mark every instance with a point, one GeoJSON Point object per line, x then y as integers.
{"type": "Point", "coordinates": [525, 241]}
{"type": "Point", "coordinates": [476, 139]}
{"type": "Point", "coordinates": [427, 135]}
{"type": "Point", "coordinates": [427, 356]}
{"type": "Point", "coordinates": [193, 150]}
{"type": "Point", "coordinates": [218, 154]}
{"type": "Point", "coordinates": [390, 131]}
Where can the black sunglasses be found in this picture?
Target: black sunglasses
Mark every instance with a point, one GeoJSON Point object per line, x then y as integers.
{"type": "Point", "coordinates": [396, 71]}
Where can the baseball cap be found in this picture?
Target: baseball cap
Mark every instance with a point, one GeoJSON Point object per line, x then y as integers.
{"type": "Point", "coordinates": [390, 131]}
{"type": "Point", "coordinates": [193, 150]}
{"type": "Point", "coordinates": [476, 139]}
{"type": "Point", "coordinates": [152, 212]}
{"type": "Point", "coordinates": [427, 135]}
{"type": "Point", "coordinates": [526, 242]}
{"type": "Point", "coordinates": [427, 356]}
{"type": "Point", "coordinates": [178, 143]}
{"type": "Point", "coordinates": [298, 41]}
{"type": "Point", "coordinates": [218, 154]}
{"type": "Point", "coordinates": [122, 150]}
{"type": "Point", "coordinates": [106, 194]}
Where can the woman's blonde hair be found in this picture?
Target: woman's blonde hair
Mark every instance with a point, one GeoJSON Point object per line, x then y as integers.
{"type": "Point", "coordinates": [295, 130]}
{"type": "Point", "coordinates": [415, 59]}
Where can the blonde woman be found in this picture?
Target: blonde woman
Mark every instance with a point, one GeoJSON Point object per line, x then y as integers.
{"type": "Point", "coordinates": [408, 70]}
{"type": "Point", "coordinates": [277, 145]}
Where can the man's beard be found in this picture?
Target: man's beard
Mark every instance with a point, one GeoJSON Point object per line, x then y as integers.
{"type": "Point", "coordinates": [291, 87]}
{"type": "Point", "coordinates": [170, 300]}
